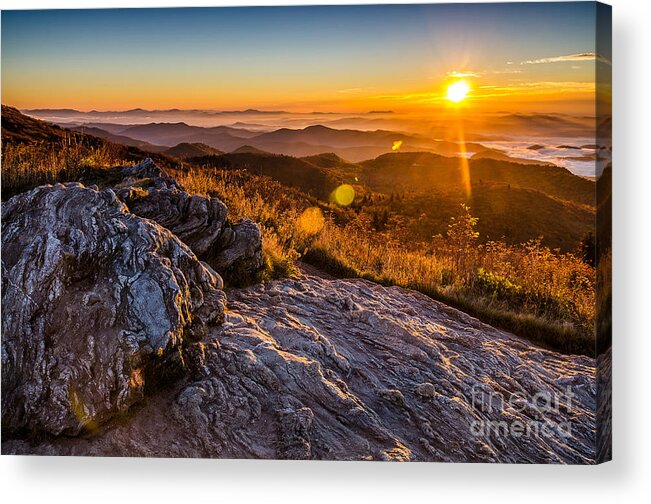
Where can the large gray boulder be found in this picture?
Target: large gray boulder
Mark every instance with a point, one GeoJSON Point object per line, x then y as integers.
{"type": "Point", "coordinates": [95, 302]}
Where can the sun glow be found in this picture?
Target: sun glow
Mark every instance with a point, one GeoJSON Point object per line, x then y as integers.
{"type": "Point", "coordinates": [457, 91]}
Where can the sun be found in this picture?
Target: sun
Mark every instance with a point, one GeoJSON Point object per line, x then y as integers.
{"type": "Point", "coordinates": [457, 91]}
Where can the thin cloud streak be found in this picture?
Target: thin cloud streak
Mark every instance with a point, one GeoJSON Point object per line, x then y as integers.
{"type": "Point", "coordinates": [461, 75]}
{"type": "Point", "coordinates": [568, 57]}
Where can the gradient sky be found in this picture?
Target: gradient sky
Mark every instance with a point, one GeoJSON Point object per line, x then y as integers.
{"type": "Point", "coordinates": [342, 58]}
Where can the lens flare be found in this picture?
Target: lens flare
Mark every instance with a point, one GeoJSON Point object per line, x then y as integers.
{"type": "Point", "coordinates": [464, 165]}
{"type": "Point", "coordinates": [343, 195]}
{"type": "Point", "coordinates": [311, 221]}
{"type": "Point", "coordinates": [396, 145]}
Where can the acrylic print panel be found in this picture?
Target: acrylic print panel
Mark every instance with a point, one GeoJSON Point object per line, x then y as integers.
{"type": "Point", "coordinates": [349, 233]}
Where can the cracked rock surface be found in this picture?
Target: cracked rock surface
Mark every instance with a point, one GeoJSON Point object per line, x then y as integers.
{"type": "Point", "coordinates": [94, 301]}
{"type": "Point", "coordinates": [311, 368]}
{"type": "Point", "coordinates": [234, 250]}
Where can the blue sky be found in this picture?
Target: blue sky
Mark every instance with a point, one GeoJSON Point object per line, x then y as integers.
{"type": "Point", "coordinates": [222, 57]}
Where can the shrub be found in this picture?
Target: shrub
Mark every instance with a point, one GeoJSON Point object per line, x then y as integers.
{"type": "Point", "coordinates": [496, 286]}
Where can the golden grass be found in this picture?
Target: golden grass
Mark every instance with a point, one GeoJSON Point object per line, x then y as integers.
{"type": "Point", "coordinates": [26, 166]}
{"type": "Point", "coordinates": [529, 289]}
{"type": "Point", "coordinates": [537, 293]}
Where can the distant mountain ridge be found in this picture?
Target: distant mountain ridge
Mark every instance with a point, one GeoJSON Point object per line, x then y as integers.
{"type": "Point", "coordinates": [189, 150]}
{"type": "Point", "coordinates": [483, 127]}
{"type": "Point", "coordinates": [121, 139]}
{"type": "Point", "coordinates": [417, 170]}
{"type": "Point", "coordinates": [513, 201]}
{"type": "Point", "coordinates": [501, 156]}
{"type": "Point", "coordinates": [219, 137]}
{"type": "Point", "coordinates": [248, 149]}
{"type": "Point", "coordinates": [354, 145]}
{"type": "Point", "coordinates": [101, 113]}
{"type": "Point", "coordinates": [325, 160]}
{"type": "Point", "coordinates": [288, 170]}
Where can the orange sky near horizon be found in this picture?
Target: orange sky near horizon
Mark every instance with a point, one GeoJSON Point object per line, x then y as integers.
{"type": "Point", "coordinates": [515, 58]}
{"type": "Point", "coordinates": [484, 96]}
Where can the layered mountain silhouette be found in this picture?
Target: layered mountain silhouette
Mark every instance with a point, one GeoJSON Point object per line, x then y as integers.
{"type": "Point", "coordinates": [248, 149]}
{"type": "Point", "coordinates": [514, 199]}
{"type": "Point", "coordinates": [354, 145]}
{"type": "Point", "coordinates": [121, 139]}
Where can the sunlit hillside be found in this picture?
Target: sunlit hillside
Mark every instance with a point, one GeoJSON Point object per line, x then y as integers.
{"type": "Point", "coordinates": [454, 253]}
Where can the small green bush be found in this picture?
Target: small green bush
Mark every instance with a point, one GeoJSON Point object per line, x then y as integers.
{"type": "Point", "coordinates": [496, 286]}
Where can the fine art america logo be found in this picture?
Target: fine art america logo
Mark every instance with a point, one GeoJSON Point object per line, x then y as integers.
{"type": "Point", "coordinates": [540, 415]}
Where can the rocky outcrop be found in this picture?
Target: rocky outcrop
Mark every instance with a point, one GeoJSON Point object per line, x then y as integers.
{"type": "Point", "coordinates": [95, 302]}
{"type": "Point", "coordinates": [105, 296]}
{"type": "Point", "coordinates": [196, 220]}
{"type": "Point", "coordinates": [311, 368]}
{"type": "Point", "coordinates": [146, 170]}
{"type": "Point", "coordinates": [100, 296]}
{"type": "Point", "coordinates": [234, 250]}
